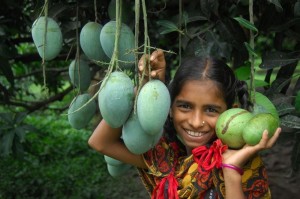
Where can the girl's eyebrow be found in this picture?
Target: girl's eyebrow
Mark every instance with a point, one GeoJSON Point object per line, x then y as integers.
{"type": "Point", "coordinates": [214, 106]}
{"type": "Point", "coordinates": [217, 107]}
{"type": "Point", "coordinates": [180, 101]}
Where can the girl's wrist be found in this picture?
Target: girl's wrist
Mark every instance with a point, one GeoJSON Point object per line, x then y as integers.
{"type": "Point", "coordinates": [232, 167]}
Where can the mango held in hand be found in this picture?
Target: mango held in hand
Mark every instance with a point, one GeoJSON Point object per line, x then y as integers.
{"type": "Point", "coordinates": [230, 125]}
{"type": "Point", "coordinates": [47, 41]}
{"type": "Point", "coordinates": [252, 133]}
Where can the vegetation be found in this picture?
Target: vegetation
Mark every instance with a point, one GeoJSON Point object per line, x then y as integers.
{"type": "Point", "coordinates": [59, 164]}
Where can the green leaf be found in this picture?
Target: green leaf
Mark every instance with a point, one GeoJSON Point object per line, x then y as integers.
{"type": "Point", "coordinates": [7, 118]}
{"type": "Point", "coordinates": [243, 73]}
{"type": "Point", "coordinates": [196, 18]}
{"type": "Point", "coordinates": [264, 101]}
{"type": "Point", "coordinates": [167, 26]}
{"type": "Point", "coordinates": [216, 47]}
{"type": "Point", "coordinates": [284, 108]}
{"type": "Point", "coordinates": [278, 59]}
{"type": "Point", "coordinates": [6, 70]}
{"type": "Point", "coordinates": [19, 117]}
{"type": "Point", "coordinates": [258, 83]}
{"type": "Point", "coordinates": [297, 102]}
{"type": "Point", "coordinates": [250, 49]}
{"type": "Point", "coordinates": [277, 5]}
{"type": "Point", "coordinates": [290, 121]}
{"type": "Point", "coordinates": [245, 23]}
{"type": "Point", "coordinates": [6, 143]}
{"type": "Point", "coordinates": [297, 9]}
{"type": "Point", "coordinates": [19, 131]}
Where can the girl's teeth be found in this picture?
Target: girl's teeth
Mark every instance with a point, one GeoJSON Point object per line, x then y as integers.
{"type": "Point", "coordinates": [195, 134]}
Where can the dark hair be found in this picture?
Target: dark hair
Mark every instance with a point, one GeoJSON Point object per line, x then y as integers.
{"type": "Point", "coordinates": [197, 68]}
{"type": "Point", "coordinates": [209, 68]}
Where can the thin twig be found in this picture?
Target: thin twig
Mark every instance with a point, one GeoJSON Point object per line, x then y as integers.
{"type": "Point", "coordinates": [252, 59]}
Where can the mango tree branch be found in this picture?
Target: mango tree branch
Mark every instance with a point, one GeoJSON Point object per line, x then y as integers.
{"type": "Point", "coordinates": [252, 58]}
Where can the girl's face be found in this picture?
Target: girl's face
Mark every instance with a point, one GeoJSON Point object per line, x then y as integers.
{"type": "Point", "coordinates": [198, 101]}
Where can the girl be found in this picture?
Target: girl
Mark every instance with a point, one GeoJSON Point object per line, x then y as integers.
{"type": "Point", "coordinates": [189, 161]}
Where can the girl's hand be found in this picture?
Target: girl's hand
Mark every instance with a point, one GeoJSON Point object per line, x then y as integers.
{"type": "Point", "coordinates": [241, 156]}
{"type": "Point", "coordinates": [157, 63]}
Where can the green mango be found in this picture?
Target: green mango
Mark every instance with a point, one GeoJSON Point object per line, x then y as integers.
{"type": "Point", "coordinates": [116, 98]}
{"type": "Point", "coordinates": [126, 44]}
{"type": "Point", "coordinates": [252, 133]}
{"type": "Point", "coordinates": [80, 75]}
{"type": "Point", "coordinates": [50, 46]}
{"type": "Point", "coordinates": [117, 171]}
{"type": "Point", "coordinates": [230, 125]}
{"type": "Point", "coordinates": [112, 161]}
{"type": "Point", "coordinates": [80, 113]}
{"type": "Point", "coordinates": [90, 41]}
{"type": "Point", "coordinates": [135, 138]}
{"type": "Point", "coordinates": [153, 105]}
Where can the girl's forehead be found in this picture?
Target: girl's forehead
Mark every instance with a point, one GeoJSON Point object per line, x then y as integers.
{"type": "Point", "coordinates": [203, 84]}
{"type": "Point", "coordinates": [201, 89]}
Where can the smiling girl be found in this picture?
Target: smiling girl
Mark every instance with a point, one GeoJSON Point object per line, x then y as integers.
{"type": "Point", "coordinates": [189, 161]}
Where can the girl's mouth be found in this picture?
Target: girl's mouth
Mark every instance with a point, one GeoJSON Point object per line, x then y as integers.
{"type": "Point", "coordinates": [194, 133]}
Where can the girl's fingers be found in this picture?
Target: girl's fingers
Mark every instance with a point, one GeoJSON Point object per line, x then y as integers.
{"type": "Point", "coordinates": [267, 142]}
{"type": "Point", "coordinates": [157, 55]}
{"type": "Point", "coordinates": [274, 138]}
{"type": "Point", "coordinates": [157, 63]}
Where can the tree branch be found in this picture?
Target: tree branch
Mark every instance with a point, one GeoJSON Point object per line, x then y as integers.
{"type": "Point", "coordinates": [33, 106]}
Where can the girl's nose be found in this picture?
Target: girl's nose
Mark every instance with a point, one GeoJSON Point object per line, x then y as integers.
{"type": "Point", "coordinates": [196, 120]}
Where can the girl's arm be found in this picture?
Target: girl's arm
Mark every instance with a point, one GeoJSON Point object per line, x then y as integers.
{"type": "Point", "coordinates": [107, 141]}
{"type": "Point", "coordinates": [232, 179]}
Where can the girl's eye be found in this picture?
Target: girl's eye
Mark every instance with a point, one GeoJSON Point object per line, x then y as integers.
{"type": "Point", "coordinates": [212, 110]}
{"type": "Point", "coordinates": [184, 106]}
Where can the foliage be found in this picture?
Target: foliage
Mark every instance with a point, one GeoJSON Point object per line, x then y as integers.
{"type": "Point", "coordinates": [57, 163]}
{"type": "Point", "coordinates": [13, 131]}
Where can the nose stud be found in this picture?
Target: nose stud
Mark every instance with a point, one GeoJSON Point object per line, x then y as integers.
{"type": "Point", "coordinates": [203, 123]}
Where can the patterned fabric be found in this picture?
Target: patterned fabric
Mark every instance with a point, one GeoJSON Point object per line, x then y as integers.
{"type": "Point", "coordinates": [168, 163]}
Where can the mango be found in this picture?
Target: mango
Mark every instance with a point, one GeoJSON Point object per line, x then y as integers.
{"type": "Point", "coordinates": [90, 41]}
{"type": "Point", "coordinates": [135, 138]}
{"type": "Point", "coordinates": [127, 11]}
{"type": "Point", "coordinates": [116, 98]}
{"type": "Point", "coordinates": [50, 46]}
{"type": "Point", "coordinates": [126, 44]}
{"type": "Point", "coordinates": [153, 105]}
{"type": "Point", "coordinates": [252, 133]}
{"type": "Point", "coordinates": [80, 113]}
{"type": "Point", "coordinates": [230, 125]}
{"type": "Point", "coordinates": [112, 161]}
{"type": "Point", "coordinates": [80, 75]}
{"type": "Point", "coordinates": [117, 171]}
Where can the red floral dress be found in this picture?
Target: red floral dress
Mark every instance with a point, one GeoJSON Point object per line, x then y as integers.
{"type": "Point", "coordinates": [171, 174]}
